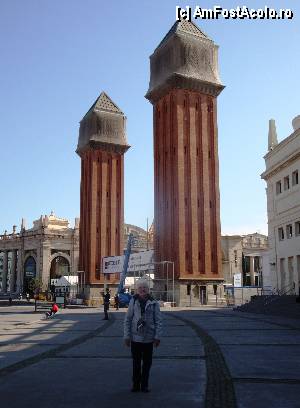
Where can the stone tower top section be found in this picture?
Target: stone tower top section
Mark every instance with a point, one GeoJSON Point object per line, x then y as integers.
{"type": "Point", "coordinates": [186, 58]}
{"type": "Point", "coordinates": [103, 127]}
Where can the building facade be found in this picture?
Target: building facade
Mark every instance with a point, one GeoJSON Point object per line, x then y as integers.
{"type": "Point", "coordinates": [143, 240]}
{"type": "Point", "coordinates": [46, 251]}
{"type": "Point", "coordinates": [283, 201]}
{"type": "Point", "coordinates": [255, 247]}
{"type": "Point", "coordinates": [50, 249]}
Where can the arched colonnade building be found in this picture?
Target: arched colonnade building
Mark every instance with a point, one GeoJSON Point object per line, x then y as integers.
{"type": "Point", "coordinates": [46, 251]}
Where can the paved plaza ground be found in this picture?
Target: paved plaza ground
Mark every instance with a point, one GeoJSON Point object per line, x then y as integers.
{"type": "Point", "coordinates": [208, 358]}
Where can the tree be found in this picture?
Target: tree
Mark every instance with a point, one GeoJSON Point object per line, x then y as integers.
{"type": "Point", "coordinates": [35, 285]}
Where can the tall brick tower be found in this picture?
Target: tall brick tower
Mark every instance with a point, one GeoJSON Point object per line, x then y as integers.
{"type": "Point", "coordinates": [101, 146]}
{"type": "Point", "coordinates": [183, 89]}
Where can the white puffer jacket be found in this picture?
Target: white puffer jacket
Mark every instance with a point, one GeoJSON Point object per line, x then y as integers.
{"type": "Point", "coordinates": [152, 318]}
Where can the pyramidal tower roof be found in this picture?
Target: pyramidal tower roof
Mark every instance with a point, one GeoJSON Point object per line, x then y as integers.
{"type": "Point", "coordinates": [103, 127]}
{"type": "Point", "coordinates": [184, 27]}
{"type": "Point", "coordinates": [105, 104]}
{"type": "Point", "coordinates": [186, 58]}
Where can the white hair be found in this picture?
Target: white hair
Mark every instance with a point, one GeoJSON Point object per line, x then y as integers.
{"type": "Point", "coordinates": [142, 282]}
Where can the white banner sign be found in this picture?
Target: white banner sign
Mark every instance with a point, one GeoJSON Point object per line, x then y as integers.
{"type": "Point", "coordinates": [112, 264]}
{"type": "Point", "coordinates": [140, 261]}
{"type": "Point", "coordinates": [237, 280]}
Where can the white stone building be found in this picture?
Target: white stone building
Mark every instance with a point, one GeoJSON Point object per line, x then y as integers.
{"type": "Point", "coordinates": [46, 251]}
{"type": "Point", "coordinates": [283, 200]}
{"type": "Point", "coordinates": [243, 254]}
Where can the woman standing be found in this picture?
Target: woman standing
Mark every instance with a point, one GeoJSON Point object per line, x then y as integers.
{"type": "Point", "coordinates": [142, 330]}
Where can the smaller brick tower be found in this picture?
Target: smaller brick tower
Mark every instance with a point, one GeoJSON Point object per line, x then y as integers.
{"type": "Point", "coordinates": [101, 145]}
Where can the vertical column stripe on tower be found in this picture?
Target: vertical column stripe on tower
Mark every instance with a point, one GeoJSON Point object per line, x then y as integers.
{"type": "Point", "coordinates": [206, 185]}
{"type": "Point", "coordinates": [194, 237]}
{"type": "Point", "coordinates": [216, 215]}
{"type": "Point", "coordinates": [82, 221]}
{"type": "Point", "coordinates": [118, 224]}
{"type": "Point", "coordinates": [86, 216]}
{"type": "Point", "coordinates": [82, 218]}
{"type": "Point", "coordinates": [119, 220]}
{"type": "Point", "coordinates": [160, 185]}
{"type": "Point", "coordinates": [121, 201]}
{"type": "Point", "coordinates": [98, 215]}
{"type": "Point", "coordinates": [175, 185]}
{"type": "Point", "coordinates": [187, 185]}
{"type": "Point", "coordinates": [155, 170]}
{"type": "Point", "coordinates": [172, 179]}
{"type": "Point", "coordinates": [94, 200]}
{"type": "Point", "coordinates": [180, 185]}
{"type": "Point", "coordinates": [103, 204]}
{"type": "Point", "coordinates": [85, 243]}
{"type": "Point", "coordinates": [113, 206]}
{"type": "Point", "coordinates": [211, 139]}
{"type": "Point", "coordinates": [171, 157]}
{"type": "Point", "coordinates": [200, 195]}
{"type": "Point", "coordinates": [168, 176]}
{"type": "Point", "coordinates": [89, 205]}
{"type": "Point", "coordinates": [86, 206]}
{"type": "Point", "coordinates": [163, 178]}
{"type": "Point", "coordinates": [108, 205]}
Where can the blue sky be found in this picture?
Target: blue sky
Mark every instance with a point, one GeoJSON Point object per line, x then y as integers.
{"type": "Point", "coordinates": [56, 58]}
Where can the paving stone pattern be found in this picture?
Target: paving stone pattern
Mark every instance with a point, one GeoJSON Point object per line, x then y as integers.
{"type": "Point", "coordinates": [207, 358]}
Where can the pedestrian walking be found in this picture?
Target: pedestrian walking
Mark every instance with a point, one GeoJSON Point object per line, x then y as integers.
{"type": "Point", "coordinates": [116, 299]}
{"type": "Point", "coordinates": [106, 300]}
{"type": "Point", "coordinates": [142, 330]}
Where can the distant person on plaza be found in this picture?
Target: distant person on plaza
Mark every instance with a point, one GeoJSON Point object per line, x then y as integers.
{"type": "Point", "coordinates": [116, 299]}
{"type": "Point", "coordinates": [52, 290]}
{"type": "Point", "coordinates": [106, 300]}
{"type": "Point", "coordinates": [53, 310]}
{"type": "Point", "coordinates": [142, 330]}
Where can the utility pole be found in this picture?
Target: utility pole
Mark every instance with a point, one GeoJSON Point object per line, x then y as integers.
{"type": "Point", "coordinates": [147, 235]}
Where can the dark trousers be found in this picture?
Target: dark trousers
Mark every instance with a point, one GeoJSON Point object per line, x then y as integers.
{"type": "Point", "coordinates": [106, 308]}
{"type": "Point", "coordinates": [141, 353]}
